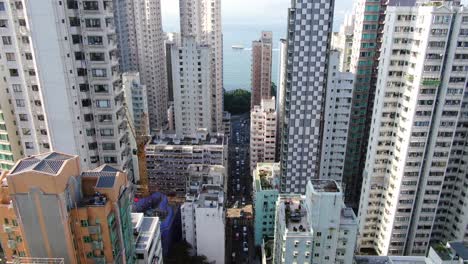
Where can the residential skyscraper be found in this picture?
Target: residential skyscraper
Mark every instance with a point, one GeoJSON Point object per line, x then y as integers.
{"type": "Point", "coordinates": [64, 79]}
{"type": "Point", "coordinates": [141, 44]}
{"type": "Point", "coordinates": [337, 114]}
{"type": "Point", "coordinates": [413, 187]}
{"type": "Point", "coordinates": [192, 94]}
{"type": "Point", "coordinates": [261, 68]}
{"type": "Point", "coordinates": [201, 19]}
{"type": "Point", "coordinates": [263, 133]}
{"type": "Point", "coordinates": [308, 43]}
{"type": "Point", "coordinates": [343, 42]}
{"type": "Point", "coordinates": [136, 102]}
{"type": "Point", "coordinates": [52, 209]}
{"type": "Point", "coordinates": [369, 16]}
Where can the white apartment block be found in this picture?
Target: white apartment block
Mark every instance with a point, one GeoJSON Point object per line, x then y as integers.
{"type": "Point", "coordinates": [414, 190]}
{"type": "Point", "coordinates": [308, 37]}
{"type": "Point", "coordinates": [261, 68]}
{"type": "Point", "coordinates": [316, 227]}
{"type": "Point", "coordinates": [136, 102]}
{"type": "Point", "coordinates": [11, 149]}
{"type": "Point", "coordinates": [63, 74]}
{"type": "Point", "coordinates": [192, 70]}
{"type": "Point", "coordinates": [147, 236]}
{"type": "Point", "coordinates": [343, 42]}
{"type": "Point", "coordinates": [203, 221]}
{"type": "Point", "coordinates": [141, 44]}
{"type": "Point", "coordinates": [337, 116]}
{"type": "Point", "coordinates": [199, 174]}
{"type": "Point", "coordinates": [201, 19]}
{"type": "Point", "coordinates": [169, 157]}
{"type": "Point", "coordinates": [263, 133]}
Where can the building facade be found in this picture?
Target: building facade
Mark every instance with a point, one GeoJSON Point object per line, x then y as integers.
{"type": "Point", "coordinates": [192, 86]}
{"type": "Point", "coordinates": [168, 158]}
{"type": "Point", "coordinates": [204, 217]}
{"type": "Point", "coordinates": [411, 193]}
{"type": "Point", "coordinates": [261, 68]}
{"type": "Point", "coordinates": [342, 41]}
{"type": "Point", "coordinates": [316, 227]}
{"type": "Point", "coordinates": [201, 19]}
{"type": "Point", "coordinates": [136, 101]}
{"type": "Point", "coordinates": [53, 210]}
{"type": "Point", "coordinates": [337, 115]}
{"type": "Point", "coordinates": [142, 48]}
{"type": "Point", "coordinates": [369, 17]}
{"type": "Point", "coordinates": [263, 133]}
{"type": "Point", "coordinates": [147, 237]}
{"type": "Point", "coordinates": [265, 194]}
{"type": "Point", "coordinates": [52, 68]}
{"type": "Point", "coordinates": [308, 43]}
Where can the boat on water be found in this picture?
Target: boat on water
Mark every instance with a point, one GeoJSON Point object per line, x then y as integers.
{"type": "Point", "coordinates": [237, 47]}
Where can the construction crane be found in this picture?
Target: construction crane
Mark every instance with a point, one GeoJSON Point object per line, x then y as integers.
{"type": "Point", "coordinates": [141, 139]}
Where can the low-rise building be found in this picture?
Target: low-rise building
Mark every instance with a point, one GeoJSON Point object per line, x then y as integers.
{"type": "Point", "coordinates": [168, 158]}
{"type": "Point", "coordinates": [316, 227]}
{"type": "Point", "coordinates": [265, 194]}
{"type": "Point", "coordinates": [203, 221]}
{"type": "Point", "coordinates": [147, 236]}
{"type": "Point", "coordinates": [263, 133]}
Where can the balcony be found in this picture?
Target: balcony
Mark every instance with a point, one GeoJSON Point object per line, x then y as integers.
{"type": "Point", "coordinates": [98, 245]}
{"type": "Point", "coordinates": [93, 230]}
{"type": "Point", "coordinates": [99, 260]}
{"type": "Point", "coordinates": [11, 244]}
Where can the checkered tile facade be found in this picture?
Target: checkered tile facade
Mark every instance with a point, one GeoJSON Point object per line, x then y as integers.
{"type": "Point", "coordinates": [309, 31]}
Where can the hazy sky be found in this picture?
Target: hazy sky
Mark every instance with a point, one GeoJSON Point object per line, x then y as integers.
{"type": "Point", "coordinates": [265, 12]}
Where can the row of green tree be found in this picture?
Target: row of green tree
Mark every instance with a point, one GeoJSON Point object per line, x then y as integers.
{"type": "Point", "coordinates": [238, 101]}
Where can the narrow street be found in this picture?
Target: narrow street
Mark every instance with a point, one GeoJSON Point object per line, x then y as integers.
{"type": "Point", "coordinates": [240, 248]}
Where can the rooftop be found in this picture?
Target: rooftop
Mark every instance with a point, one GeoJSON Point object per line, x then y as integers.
{"type": "Point", "coordinates": [202, 138]}
{"type": "Point", "coordinates": [211, 196]}
{"type": "Point", "coordinates": [389, 260]}
{"type": "Point", "coordinates": [246, 211]}
{"type": "Point", "coordinates": [348, 217]}
{"type": "Point", "coordinates": [460, 248]}
{"type": "Point", "coordinates": [296, 214]}
{"type": "Point", "coordinates": [106, 176]}
{"type": "Point", "coordinates": [325, 186]}
{"type": "Point", "coordinates": [49, 163]}
{"type": "Point", "coordinates": [146, 232]}
{"type": "Point", "coordinates": [267, 176]}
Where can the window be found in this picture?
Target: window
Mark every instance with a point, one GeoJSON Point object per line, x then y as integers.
{"type": "Point", "coordinates": [40, 117]}
{"type": "Point", "coordinates": [2, 6]}
{"type": "Point", "coordinates": [19, 5]}
{"type": "Point", "coordinates": [95, 40]}
{"type": "Point", "coordinates": [23, 117]}
{"type": "Point", "coordinates": [28, 56]}
{"type": "Point", "coordinates": [10, 56]}
{"type": "Point", "coordinates": [110, 160]}
{"type": "Point", "coordinates": [25, 40]}
{"type": "Point", "coordinates": [20, 103]}
{"type": "Point", "coordinates": [101, 88]}
{"type": "Point", "coordinates": [107, 132]}
{"type": "Point", "coordinates": [22, 22]}
{"type": "Point", "coordinates": [96, 56]}
{"type": "Point", "coordinates": [90, 132]}
{"type": "Point", "coordinates": [71, 4]}
{"type": "Point", "coordinates": [108, 146]}
{"type": "Point", "coordinates": [74, 22]}
{"type": "Point", "coordinates": [87, 239]}
{"type": "Point", "coordinates": [90, 5]}
{"type": "Point", "coordinates": [77, 39]}
{"type": "Point", "coordinates": [88, 117]}
{"type": "Point", "coordinates": [84, 87]}
{"type": "Point", "coordinates": [105, 118]}
{"type": "Point", "coordinates": [16, 88]}
{"type": "Point", "coordinates": [6, 40]}
{"type": "Point", "coordinates": [84, 223]}
{"type": "Point", "coordinates": [81, 72]}
{"type": "Point", "coordinates": [3, 23]}
{"type": "Point", "coordinates": [86, 102]}
{"type": "Point", "coordinates": [14, 73]}
{"type": "Point", "coordinates": [32, 72]}
{"type": "Point", "coordinates": [93, 23]}
{"type": "Point", "coordinates": [29, 145]}
{"type": "Point", "coordinates": [35, 88]}
{"type": "Point", "coordinates": [99, 72]}
{"type": "Point", "coordinates": [103, 104]}
{"type": "Point", "coordinates": [79, 56]}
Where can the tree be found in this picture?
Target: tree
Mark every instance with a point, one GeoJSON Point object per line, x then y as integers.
{"type": "Point", "coordinates": [273, 89]}
{"type": "Point", "coordinates": [237, 101]}
{"type": "Point", "coordinates": [180, 254]}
